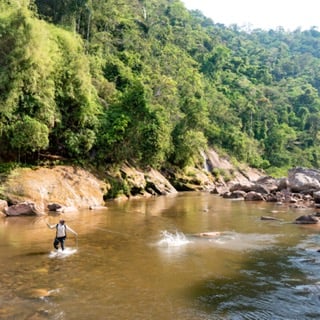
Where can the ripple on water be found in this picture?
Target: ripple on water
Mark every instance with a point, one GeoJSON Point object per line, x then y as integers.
{"type": "Point", "coordinates": [278, 305]}
{"type": "Point", "coordinates": [277, 284]}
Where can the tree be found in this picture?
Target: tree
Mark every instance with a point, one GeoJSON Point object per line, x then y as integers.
{"type": "Point", "coordinates": [187, 146]}
{"type": "Point", "coordinates": [29, 135]}
{"type": "Point", "coordinates": [278, 144]}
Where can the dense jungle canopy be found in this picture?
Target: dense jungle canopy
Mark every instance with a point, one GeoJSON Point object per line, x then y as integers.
{"type": "Point", "coordinates": [106, 81]}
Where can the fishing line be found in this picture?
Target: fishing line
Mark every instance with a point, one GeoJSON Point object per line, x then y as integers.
{"type": "Point", "coordinates": [111, 231]}
{"type": "Point", "coordinates": [76, 240]}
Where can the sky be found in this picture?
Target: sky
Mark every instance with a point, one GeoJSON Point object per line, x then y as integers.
{"type": "Point", "coordinates": [263, 14]}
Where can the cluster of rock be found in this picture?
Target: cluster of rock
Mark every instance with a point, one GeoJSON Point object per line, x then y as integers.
{"type": "Point", "coordinates": [144, 183]}
{"type": "Point", "coordinates": [301, 189]}
{"type": "Point", "coordinates": [29, 208]}
{"type": "Point", "coordinates": [66, 188]}
{"type": "Point", "coordinates": [63, 189]}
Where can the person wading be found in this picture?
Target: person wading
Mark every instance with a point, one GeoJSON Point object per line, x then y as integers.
{"type": "Point", "coordinates": [61, 233]}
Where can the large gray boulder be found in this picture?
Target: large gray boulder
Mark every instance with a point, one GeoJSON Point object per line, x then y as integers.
{"type": "Point", "coordinates": [263, 185]}
{"type": "Point", "coordinates": [269, 184]}
{"type": "Point", "coordinates": [303, 180]}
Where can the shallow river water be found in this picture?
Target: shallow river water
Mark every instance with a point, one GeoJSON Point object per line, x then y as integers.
{"type": "Point", "coordinates": [142, 259]}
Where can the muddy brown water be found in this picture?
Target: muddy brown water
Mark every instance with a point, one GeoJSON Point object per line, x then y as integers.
{"type": "Point", "coordinates": [140, 259]}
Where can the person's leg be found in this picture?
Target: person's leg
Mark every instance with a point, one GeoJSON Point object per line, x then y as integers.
{"type": "Point", "coordinates": [56, 243]}
{"type": "Point", "coordinates": [62, 242]}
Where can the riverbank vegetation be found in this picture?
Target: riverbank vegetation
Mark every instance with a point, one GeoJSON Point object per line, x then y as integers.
{"type": "Point", "coordinates": [103, 82]}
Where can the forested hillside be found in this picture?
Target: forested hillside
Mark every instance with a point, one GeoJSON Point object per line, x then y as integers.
{"type": "Point", "coordinates": [106, 81]}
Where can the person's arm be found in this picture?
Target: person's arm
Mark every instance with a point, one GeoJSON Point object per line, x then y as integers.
{"type": "Point", "coordinates": [51, 226]}
{"type": "Point", "coordinates": [72, 231]}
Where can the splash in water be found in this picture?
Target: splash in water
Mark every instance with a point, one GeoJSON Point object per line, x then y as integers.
{"type": "Point", "coordinates": [169, 239]}
{"type": "Point", "coordinates": [62, 254]}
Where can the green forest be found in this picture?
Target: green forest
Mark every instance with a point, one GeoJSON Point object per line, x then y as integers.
{"type": "Point", "coordinates": [108, 81]}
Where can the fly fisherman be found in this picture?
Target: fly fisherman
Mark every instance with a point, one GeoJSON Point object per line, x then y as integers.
{"type": "Point", "coordinates": [61, 233]}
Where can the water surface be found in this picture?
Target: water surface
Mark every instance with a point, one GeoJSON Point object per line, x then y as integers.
{"type": "Point", "coordinates": [141, 259]}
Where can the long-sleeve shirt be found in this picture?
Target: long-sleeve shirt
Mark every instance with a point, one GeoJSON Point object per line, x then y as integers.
{"type": "Point", "coordinates": [61, 229]}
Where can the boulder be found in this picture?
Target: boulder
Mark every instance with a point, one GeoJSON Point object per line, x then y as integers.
{"type": "Point", "coordinates": [65, 186]}
{"type": "Point", "coordinates": [270, 218]}
{"type": "Point", "coordinates": [260, 189]}
{"type": "Point", "coordinates": [263, 185]}
{"type": "Point", "coordinates": [251, 186]}
{"type": "Point", "coordinates": [271, 197]}
{"type": "Point", "coordinates": [283, 183]}
{"type": "Point", "coordinates": [23, 208]}
{"type": "Point", "coordinates": [275, 197]}
{"type": "Point", "coordinates": [134, 178]}
{"type": "Point", "coordinates": [226, 195]}
{"type": "Point", "coordinates": [219, 189]}
{"type": "Point", "coordinates": [307, 219]}
{"type": "Point", "coordinates": [237, 194]}
{"type": "Point", "coordinates": [246, 187]}
{"type": "Point", "coordinates": [54, 207]}
{"type": "Point", "coordinates": [304, 180]}
{"type": "Point", "coordinates": [316, 197]}
{"type": "Point", "coordinates": [158, 184]}
{"type": "Point", "coordinates": [268, 184]}
{"type": "Point", "coordinates": [253, 196]}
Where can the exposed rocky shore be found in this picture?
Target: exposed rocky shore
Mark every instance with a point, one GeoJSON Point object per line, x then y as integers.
{"type": "Point", "coordinates": [300, 189]}
{"type": "Point", "coordinates": [68, 188]}
{"type": "Point", "coordinates": [64, 188]}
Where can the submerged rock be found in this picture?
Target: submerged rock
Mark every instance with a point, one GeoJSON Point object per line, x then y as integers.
{"type": "Point", "coordinates": [307, 219]}
{"type": "Point", "coordinates": [270, 218]}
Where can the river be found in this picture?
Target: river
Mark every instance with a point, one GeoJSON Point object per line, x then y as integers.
{"type": "Point", "coordinates": [142, 259]}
